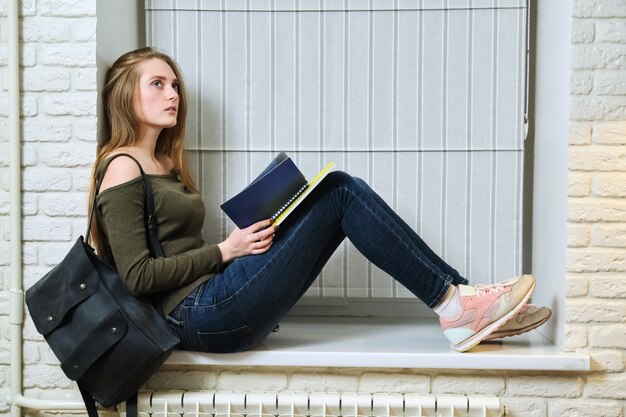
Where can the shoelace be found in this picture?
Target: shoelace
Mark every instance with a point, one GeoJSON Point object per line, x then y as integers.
{"type": "Point", "coordinates": [484, 289]}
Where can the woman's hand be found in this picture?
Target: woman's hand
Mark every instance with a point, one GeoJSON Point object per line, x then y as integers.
{"type": "Point", "coordinates": [252, 240]}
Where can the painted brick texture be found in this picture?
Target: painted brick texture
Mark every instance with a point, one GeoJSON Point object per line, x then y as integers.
{"type": "Point", "coordinates": [59, 130]}
{"type": "Point", "coordinates": [596, 306]}
{"type": "Point", "coordinates": [58, 104]}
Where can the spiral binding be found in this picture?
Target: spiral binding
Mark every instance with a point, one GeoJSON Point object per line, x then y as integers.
{"type": "Point", "coordinates": [288, 202]}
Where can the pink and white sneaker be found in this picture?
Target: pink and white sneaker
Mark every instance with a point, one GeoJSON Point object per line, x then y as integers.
{"type": "Point", "coordinates": [528, 317]}
{"type": "Point", "coordinates": [485, 309]}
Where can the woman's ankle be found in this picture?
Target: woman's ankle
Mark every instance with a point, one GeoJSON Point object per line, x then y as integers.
{"type": "Point", "coordinates": [450, 306]}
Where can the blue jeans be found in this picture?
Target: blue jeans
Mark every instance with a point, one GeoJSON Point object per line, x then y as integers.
{"type": "Point", "coordinates": [240, 306]}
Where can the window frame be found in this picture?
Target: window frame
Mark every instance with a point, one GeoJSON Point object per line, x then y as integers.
{"type": "Point", "coordinates": [548, 136]}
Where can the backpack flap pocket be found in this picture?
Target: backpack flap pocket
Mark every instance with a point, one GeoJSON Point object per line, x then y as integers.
{"type": "Point", "coordinates": [70, 282]}
{"type": "Point", "coordinates": [109, 331]}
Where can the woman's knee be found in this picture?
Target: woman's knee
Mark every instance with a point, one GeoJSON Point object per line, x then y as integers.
{"type": "Point", "coordinates": [342, 178]}
{"type": "Point", "coordinates": [360, 182]}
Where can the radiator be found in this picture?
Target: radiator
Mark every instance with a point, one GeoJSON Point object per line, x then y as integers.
{"type": "Point", "coordinates": [313, 404]}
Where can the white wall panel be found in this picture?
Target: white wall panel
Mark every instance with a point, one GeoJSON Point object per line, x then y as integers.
{"type": "Point", "coordinates": [424, 99]}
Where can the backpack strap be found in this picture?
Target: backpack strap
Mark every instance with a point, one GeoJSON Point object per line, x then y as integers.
{"type": "Point", "coordinates": [92, 410]}
{"type": "Point", "coordinates": [155, 251]}
{"type": "Point", "coordinates": [90, 404]}
{"type": "Point", "coordinates": [150, 219]}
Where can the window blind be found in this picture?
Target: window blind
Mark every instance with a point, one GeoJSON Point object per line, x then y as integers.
{"type": "Point", "coordinates": [423, 99]}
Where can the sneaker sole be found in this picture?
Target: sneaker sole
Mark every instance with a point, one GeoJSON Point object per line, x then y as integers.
{"type": "Point", "coordinates": [472, 341]}
{"type": "Point", "coordinates": [501, 335]}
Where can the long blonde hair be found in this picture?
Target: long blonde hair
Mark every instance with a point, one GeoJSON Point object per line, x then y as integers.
{"type": "Point", "coordinates": [122, 127]}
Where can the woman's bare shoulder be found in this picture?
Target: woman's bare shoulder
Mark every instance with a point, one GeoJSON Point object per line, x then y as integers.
{"type": "Point", "coordinates": [119, 171]}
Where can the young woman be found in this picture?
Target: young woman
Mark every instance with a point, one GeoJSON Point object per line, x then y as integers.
{"type": "Point", "coordinates": [228, 296]}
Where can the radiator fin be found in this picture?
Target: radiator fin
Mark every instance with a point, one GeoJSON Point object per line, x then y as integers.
{"type": "Point", "coordinates": [313, 404]}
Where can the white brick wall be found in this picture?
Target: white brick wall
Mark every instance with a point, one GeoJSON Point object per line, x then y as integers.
{"type": "Point", "coordinates": [596, 304]}
{"type": "Point", "coordinates": [59, 125]}
{"type": "Point", "coordinates": [58, 75]}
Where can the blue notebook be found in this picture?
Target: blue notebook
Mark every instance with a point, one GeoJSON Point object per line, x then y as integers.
{"type": "Point", "coordinates": [275, 193]}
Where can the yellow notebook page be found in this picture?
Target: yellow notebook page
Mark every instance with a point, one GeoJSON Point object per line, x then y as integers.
{"type": "Point", "coordinates": [312, 184]}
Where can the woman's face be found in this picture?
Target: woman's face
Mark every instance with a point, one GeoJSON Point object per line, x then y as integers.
{"type": "Point", "coordinates": [156, 99]}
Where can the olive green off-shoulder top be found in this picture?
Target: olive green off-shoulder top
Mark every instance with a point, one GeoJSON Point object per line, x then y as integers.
{"type": "Point", "coordinates": [188, 261]}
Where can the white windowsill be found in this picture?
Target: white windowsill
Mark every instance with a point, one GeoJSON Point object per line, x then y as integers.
{"type": "Point", "coordinates": [387, 343]}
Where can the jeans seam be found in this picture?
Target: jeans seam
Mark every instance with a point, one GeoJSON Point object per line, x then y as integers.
{"type": "Point", "coordinates": [269, 261]}
{"type": "Point", "coordinates": [230, 297]}
{"type": "Point", "coordinates": [199, 294]}
{"type": "Point", "coordinates": [420, 260]}
{"type": "Point", "coordinates": [441, 294]}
